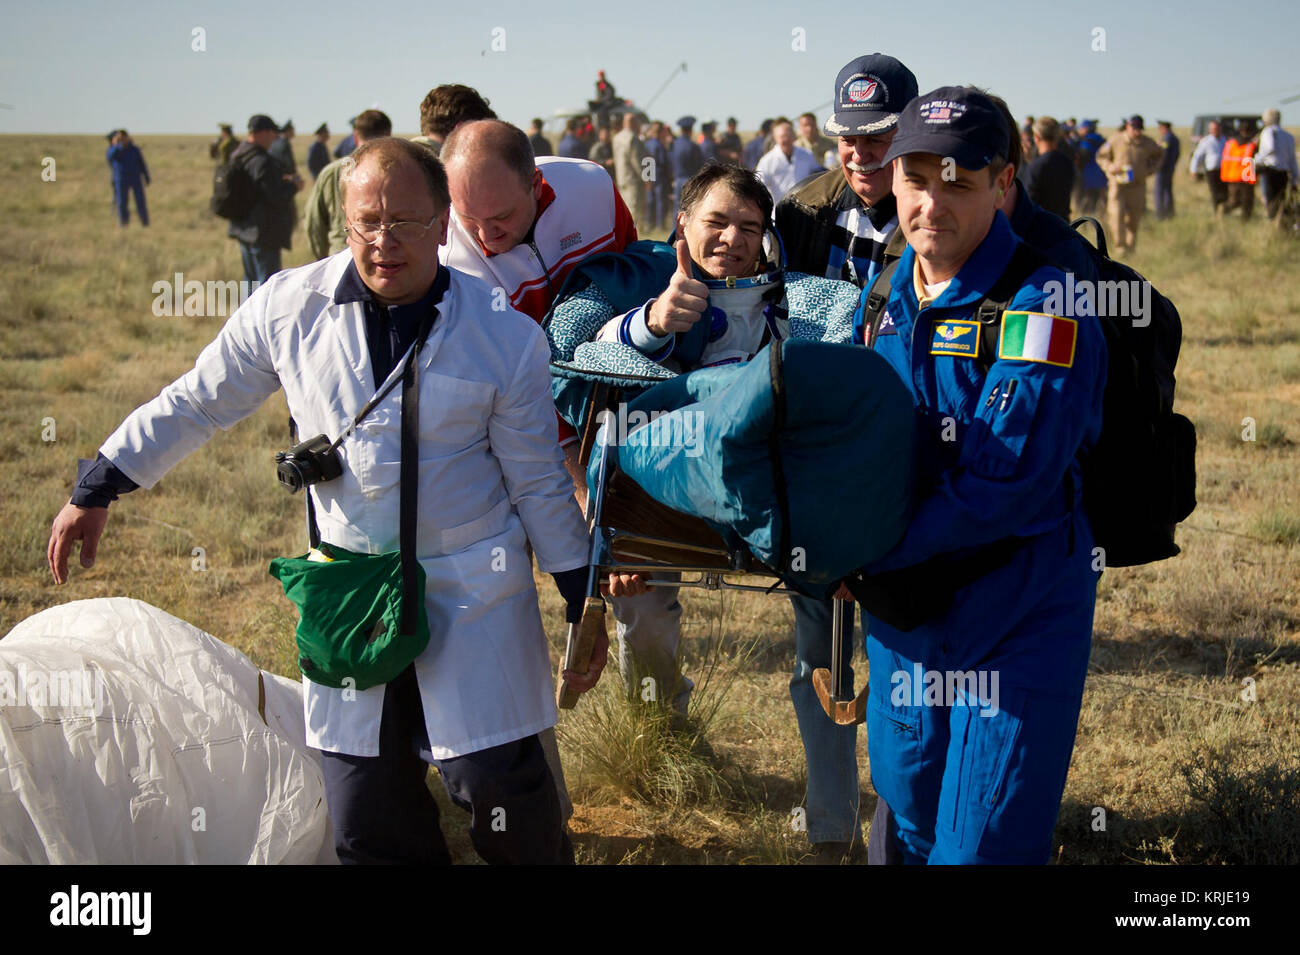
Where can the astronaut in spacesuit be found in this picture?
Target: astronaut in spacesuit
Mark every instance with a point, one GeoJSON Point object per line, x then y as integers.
{"type": "Point", "coordinates": [728, 297]}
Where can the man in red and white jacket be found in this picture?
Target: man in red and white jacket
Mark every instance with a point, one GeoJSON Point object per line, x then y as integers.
{"type": "Point", "coordinates": [521, 224]}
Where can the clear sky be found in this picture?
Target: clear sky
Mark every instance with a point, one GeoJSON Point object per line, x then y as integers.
{"type": "Point", "coordinates": [83, 67]}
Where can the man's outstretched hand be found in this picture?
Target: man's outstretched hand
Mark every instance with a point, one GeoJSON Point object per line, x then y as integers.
{"type": "Point", "coordinates": [85, 524]}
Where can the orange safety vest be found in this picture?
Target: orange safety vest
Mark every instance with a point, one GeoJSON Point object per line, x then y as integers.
{"type": "Point", "coordinates": [1237, 163]}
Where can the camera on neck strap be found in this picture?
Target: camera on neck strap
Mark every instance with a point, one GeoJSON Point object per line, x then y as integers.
{"type": "Point", "coordinates": [310, 462]}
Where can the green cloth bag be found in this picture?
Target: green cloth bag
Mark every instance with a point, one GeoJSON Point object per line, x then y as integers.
{"type": "Point", "coordinates": [351, 614]}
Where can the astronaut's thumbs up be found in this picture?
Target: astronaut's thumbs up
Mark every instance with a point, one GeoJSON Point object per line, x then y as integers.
{"type": "Point", "coordinates": [684, 301]}
{"type": "Point", "coordinates": [683, 258]}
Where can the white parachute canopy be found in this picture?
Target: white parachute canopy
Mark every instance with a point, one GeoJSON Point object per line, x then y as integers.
{"type": "Point", "coordinates": [129, 736]}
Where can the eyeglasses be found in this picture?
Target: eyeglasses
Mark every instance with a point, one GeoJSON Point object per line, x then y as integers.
{"type": "Point", "coordinates": [369, 233]}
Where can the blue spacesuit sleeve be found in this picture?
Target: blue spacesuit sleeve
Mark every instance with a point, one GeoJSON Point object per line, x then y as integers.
{"type": "Point", "coordinates": [859, 318]}
{"type": "Point", "coordinates": [635, 331]}
{"type": "Point", "coordinates": [1030, 420]}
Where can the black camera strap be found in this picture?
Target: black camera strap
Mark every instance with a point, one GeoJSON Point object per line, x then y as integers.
{"type": "Point", "coordinates": [410, 458]}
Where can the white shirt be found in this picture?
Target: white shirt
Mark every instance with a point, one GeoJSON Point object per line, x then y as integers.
{"type": "Point", "coordinates": [780, 174]}
{"type": "Point", "coordinates": [492, 478]}
{"type": "Point", "coordinates": [1277, 151]}
{"type": "Point", "coordinates": [1205, 158]}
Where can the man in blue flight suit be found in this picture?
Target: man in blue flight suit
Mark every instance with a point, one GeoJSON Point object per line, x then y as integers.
{"type": "Point", "coordinates": [973, 707]}
{"type": "Point", "coordinates": [685, 158]}
{"type": "Point", "coordinates": [708, 145]}
{"type": "Point", "coordinates": [129, 176]}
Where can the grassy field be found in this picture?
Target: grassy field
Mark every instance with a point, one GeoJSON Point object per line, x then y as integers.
{"type": "Point", "coordinates": [1188, 738]}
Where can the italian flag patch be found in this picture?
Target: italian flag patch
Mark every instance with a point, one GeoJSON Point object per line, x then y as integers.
{"type": "Point", "coordinates": [1035, 336]}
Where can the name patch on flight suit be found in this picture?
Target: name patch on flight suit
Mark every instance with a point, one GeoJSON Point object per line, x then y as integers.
{"type": "Point", "coordinates": [956, 338]}
{"type": "Point", "coordinates": [887, 326]}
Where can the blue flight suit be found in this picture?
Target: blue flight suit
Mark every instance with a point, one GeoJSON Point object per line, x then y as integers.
{"type": "Point", "coordinates": [753, 151]}
{"type": "Point", "coordinates": [686, 160]}
{"type": "Point", "coordinates": [571, 147]}
{"type": "Point", "coordinates": [318, 157]}
{"type": "Point", "coordinates": [1164, 185]}
{"type": "Point", "coordinates": [129, 176]}
{"type": "Point", "coordinates": [982, 782]}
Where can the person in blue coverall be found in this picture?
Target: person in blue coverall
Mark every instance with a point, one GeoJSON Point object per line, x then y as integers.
{"type": "Point", "coordinates": [972, 712]}
{"type": "Point", "coordinates": [685, 158]}
{"type": "Point", "coordinates": [129, 176]}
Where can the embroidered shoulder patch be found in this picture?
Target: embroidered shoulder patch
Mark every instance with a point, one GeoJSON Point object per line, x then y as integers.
{"type": "Point", "coordinates": [1036, 336]}
{"type": "Point", "coordinates": [956, 338]}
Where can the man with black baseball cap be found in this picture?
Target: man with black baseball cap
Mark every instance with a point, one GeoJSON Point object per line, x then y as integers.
{"type": "Point", "coordinates": [992, 588]}
{"type": "Point", "coordinates": [268, 225]}
{"type": "Point", "coordinates": [841, 224]}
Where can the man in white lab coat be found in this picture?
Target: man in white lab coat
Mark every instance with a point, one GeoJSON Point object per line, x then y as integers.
{"type": "Point", "coordinates": [491, 479]}
{"type": "Point", "coordinates": [785, 165]}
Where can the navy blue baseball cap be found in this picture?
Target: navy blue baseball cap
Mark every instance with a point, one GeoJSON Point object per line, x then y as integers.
{"type": "Point", "coordinates": [955, 121]}
{"type": "Point", "coordinates": [870, 92]}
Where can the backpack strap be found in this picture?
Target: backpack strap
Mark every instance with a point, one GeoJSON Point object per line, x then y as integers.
{"type": "Point", "coordinates": [1100, 242]}
{"type": "Point", "coordinates": [877, 299]}
{"type": "Point", "coordinates": [1025, 261]}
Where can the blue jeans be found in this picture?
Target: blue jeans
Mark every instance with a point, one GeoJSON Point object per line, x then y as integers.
{"type": "Point", "coordinates": [829, 749]}
{"type": "Point", "coordinates": [260, 262]}
{"type": "Point", "coordinates": [122, 191]}
{"type": "Point", "coordinates": [1164, 195]}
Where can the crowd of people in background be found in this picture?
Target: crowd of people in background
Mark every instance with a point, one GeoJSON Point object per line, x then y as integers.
{"type": "Point", "coordinates": [1070, 168]}
{"type": "Point", "coordinates": [1073, 170]}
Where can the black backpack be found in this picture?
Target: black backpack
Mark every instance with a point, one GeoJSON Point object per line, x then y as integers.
{"type": "Point", "coordinates": [1139, 480]}
{"type": "Point", "coordinates": [233, 190]}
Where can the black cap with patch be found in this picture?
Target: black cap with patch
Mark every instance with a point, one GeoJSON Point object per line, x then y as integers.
{"type": "Point", "coordinates": [954, 121]}
{"type": "Point", "coordinates": [870, 91]}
